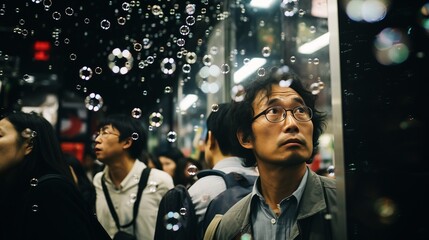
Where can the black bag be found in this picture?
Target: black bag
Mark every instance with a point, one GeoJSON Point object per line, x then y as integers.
{"type": "Point", "coordinates": [176, 214]}
{"type": "Point", "coordinates": [122, 235]}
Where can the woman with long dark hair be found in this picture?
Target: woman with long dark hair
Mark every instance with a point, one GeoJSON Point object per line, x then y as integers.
{"type": "Point", "coordinates": [39, 198]}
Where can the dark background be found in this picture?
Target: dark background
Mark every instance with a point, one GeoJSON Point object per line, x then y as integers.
{"type": "Point", "coordinates": [385, 128]}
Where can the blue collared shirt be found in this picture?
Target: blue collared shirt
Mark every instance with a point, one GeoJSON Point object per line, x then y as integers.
{"type": "Point", "coordinates": [265, 223]}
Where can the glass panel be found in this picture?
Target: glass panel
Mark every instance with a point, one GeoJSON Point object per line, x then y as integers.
{"type": "Point", "coordinates": [383, 59]}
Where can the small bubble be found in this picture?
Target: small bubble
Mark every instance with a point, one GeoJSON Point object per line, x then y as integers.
{"type": "Point", "coordinates": [134, 136]}
{"type": "Point", "coordinates": [153, 186]}
{"type": "Point", "coordinates": [136, 113]}
{"type": "Point", "coordinates": [34, 182]}
{"type": "Point", "coordinates": [190, 9]}
{"type": "Point", "coordinates": [168, 89]}
{"type": "Point", "coordinates": [156, 119]}
{"type": "Point", "coordinates": [69, 11]}
{"type": "Point", "coordinates": [171, 136]}
{"type": "Point", "coordinates": [192, 170]}
{"type": "Point", "coordinates": [266, 51]}
{"type": "Point", "coordinates": [186, 68]}
{"type": "Point", "coordinates": [93, 102]}
{"type": "Point", "coordinates": [183, 211]}
{"type": "Point", "coordinates": [184, 30]}
{"type": "Point", "coordinates": [35, 208]}
{"type": "Point", "coordinates": [225, 68]}
{"type": "Point", "coordinates": [85, 73]}
{"type": "Point", "coordinates": [215, 107]}
{"type": "Point", "coordinates": [105, 24]}
{"type": "Point", "coordinates": [133, 198]}
{"type": "Point", "coordinates": [56, 15]}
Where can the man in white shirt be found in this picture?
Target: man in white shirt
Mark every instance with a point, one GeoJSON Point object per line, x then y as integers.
{"type": "Point", "coordinates": [119, 143]}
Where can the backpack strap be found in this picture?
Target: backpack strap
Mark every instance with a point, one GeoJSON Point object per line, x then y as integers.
{"type": "Point", "coordinates": [211, 229]}
{"type": "Point", "coordinates": [52, 176]}
{"type": "Point", "coordinates": [142, 184]}
{"type": "Point", "coordinates": [231, 179]}
{"type": "Point", "coordinates": [208, 172]}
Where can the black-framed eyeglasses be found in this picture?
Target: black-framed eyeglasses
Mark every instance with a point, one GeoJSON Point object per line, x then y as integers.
{"type": "Point", "coordinates": [278, 113]}
{"type": "Point", "coordinates": [103, 133]}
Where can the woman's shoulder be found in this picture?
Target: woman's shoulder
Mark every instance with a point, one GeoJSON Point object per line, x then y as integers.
{"type": "Point", "coordinates": [53, 187]}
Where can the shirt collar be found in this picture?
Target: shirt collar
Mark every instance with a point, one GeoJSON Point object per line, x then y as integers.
{"type": "Point", "coordinates": [229, 162]}
{"type": "Point", "coordinates": [297, 193]}
{"type": "Point", "coordinates": [132, 177]}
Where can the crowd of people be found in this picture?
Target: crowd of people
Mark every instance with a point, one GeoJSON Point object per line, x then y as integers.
{"type": "Point", "coordinates": [272, 134]}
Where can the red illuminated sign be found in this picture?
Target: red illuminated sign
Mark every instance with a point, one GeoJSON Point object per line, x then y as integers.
{"type": "Point", "coordinates": [42, 50]}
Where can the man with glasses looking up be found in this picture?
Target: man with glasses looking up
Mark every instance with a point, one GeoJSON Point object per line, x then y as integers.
{"type": "Point", "coordinates": [278, 128]}
{"type": "Point", "coordinates": [119, 143]}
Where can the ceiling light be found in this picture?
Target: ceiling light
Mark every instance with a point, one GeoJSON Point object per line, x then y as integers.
{"type": "Point", "coordinates": [248, 69]}
{"type": "Point", "coordinates": [187, 101]}
{"type": "Point", "coordinates": [261, 3]}
{"type": "Point", "coordinates": [315, 45]}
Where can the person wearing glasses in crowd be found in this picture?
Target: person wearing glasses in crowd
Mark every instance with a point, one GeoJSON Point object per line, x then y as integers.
{"type": "Point", "coordinates": [278, 128]}
{"type": "Point", "coordinates": [119, 144]}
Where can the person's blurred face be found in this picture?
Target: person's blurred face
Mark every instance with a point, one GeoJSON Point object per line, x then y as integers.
{"type": "Point", "coordinates": [288, 142]}
{"type": "Point", "coordinates": [11, 152]}
{"type": "Point", "coordinates": [168, 165]}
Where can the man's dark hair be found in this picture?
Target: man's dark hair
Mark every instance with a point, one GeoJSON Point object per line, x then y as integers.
{"type": "Point", "coordinates": [242, 111]}
{"type": "Point", "coordinates": [219, 123]}
{"type": "Point", "coordinates": [128, 127]}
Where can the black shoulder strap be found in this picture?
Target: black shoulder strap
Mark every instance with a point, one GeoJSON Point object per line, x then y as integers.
{"type": "Point", "coordinates": [231, 179]}
{"type": "Point", "coordinates": [207, 172]}
{"type": "Point", "coordinates": [142, 184]}
{"type": "Point", "coordinates": [52, 176]}
{"type": "Point", "coordinates": [236, 179]}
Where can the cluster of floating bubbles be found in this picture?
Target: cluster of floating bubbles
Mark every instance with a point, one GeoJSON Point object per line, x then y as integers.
{"type": "Point", "coordinates": [289, 7]}
{"type": "Point", "coordinates": [368, 11]}
{"type": "Point", "coordinates": [424, 17]}
{"type": "Point", "coordinates": [172, 221]}
{"type": "Point", "coordinates": [316, 87]}
{"type": "Point", "coordinates": [85, 73]}
{"type": "Point", "coordinates": [118, 55]}
{"type": "Point", "coordinates": [237, 93]}
{"type": "Point", "coordinates": [391, 46]}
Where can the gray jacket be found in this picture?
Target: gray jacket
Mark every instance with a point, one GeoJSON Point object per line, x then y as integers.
{"type": "Point", "coordinates": [312, 223]}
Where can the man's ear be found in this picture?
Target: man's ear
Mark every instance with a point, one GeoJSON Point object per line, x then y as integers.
{"type": "Point", "coordinates": [244, 140]}
{"type": "Point", "coordinates": [211, 141]}
{"type": "Point", "coordinates": [127, 143]}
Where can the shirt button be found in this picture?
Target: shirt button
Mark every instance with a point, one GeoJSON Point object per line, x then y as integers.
{"type": "Point", "coordinates": [273, 221]}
